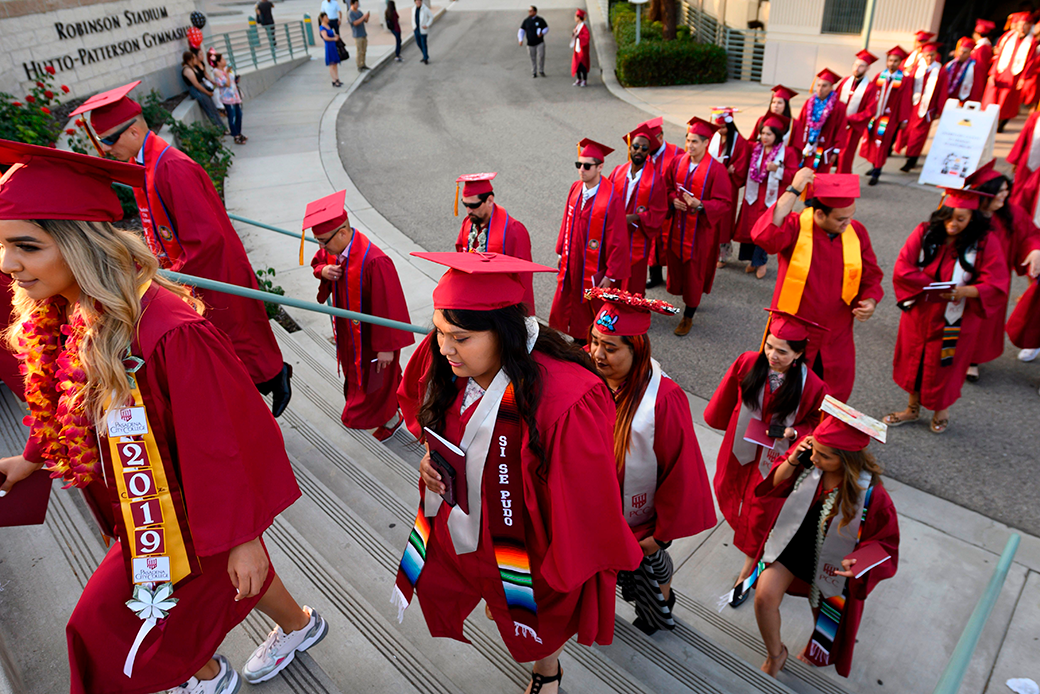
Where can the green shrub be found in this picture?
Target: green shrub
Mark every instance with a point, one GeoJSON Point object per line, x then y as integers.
{"type": "Point", "coordinates": [29, 119]}
{"type": "Point", "coordinates": [155, 114]}
{"type": "Point", "coordinates": [265, 280]}
{"type": "Point", "coordinates": [203, 143]}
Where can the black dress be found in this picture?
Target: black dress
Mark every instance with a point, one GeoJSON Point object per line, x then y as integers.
{"type": "Point", "coordinates": [799, 557]}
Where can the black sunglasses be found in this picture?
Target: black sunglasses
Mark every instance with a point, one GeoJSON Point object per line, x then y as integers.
{"type": "Point", "coordinates": [473, 205]}
{"type": "Point", "coordinates": [114, 137]}
{"type": "Point", "coordinates": [583, 165]}
{"type": "Point", "coordinates": [640, 148]}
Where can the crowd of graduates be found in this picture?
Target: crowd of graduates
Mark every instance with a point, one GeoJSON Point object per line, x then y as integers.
{"type": "Point", "coordinates": [561, 461]}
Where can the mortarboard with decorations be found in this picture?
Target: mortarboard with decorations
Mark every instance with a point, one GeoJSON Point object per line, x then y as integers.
{"type": "Point", "coordinates": [867, 57]}
{"type": "Point", "coordinates": [720, 115]}
{"type": "Point", "coordinates": [963, 198]}
{"type": "Point", "coordinates": [324, 215]}
{"type": "Point", "coordinates": [593, 150]}
{"type": "Point", "coordinates": [828, 75]}
{"type": "Point", "coordinates": [480, 281]}
{"type": "Point", "coordinates": [48, 183]}
{"type": "Point", "coordinates": [625, 314]}
{"type": "Point", "coordinates": [922, 36]}
{"type": "Point", "coordinates": [111, 108]}
{"type": "Point", "coordinates": [846, 428]}
{"type": "Point", "coordinates": [473, 184]}
{"type": "Point", "coordinates": [789, 327]}
{"type": "Point", "coordinates": [785, 93]}
{"type": "Point", "coordinates": [984, 26]}
{"type": "Point", "coordinates": [699, 126]}
{"type": "Point", "coordinates": [898, 51]}
{"type": "Point", "coordinates": [984, 174]}
{"type": "Point", "coordinates": [834, 190]}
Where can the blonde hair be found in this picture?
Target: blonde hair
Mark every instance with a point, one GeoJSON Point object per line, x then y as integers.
{"type": "Point", "coordinates": [112, 267]}
{"type": "Point", "coordinates": [853, 463]}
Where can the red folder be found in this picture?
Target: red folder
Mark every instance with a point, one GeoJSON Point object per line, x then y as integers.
{"type": "Point", "coordinates": [375, 376]}
{"type": "Point", "coordinates": [757, 432]}
{"type": "Point", "coordinates": [26, 503]}
{"type": "Point", "coordinates": [867, 557]}
{"type": "Point", "coordinates": [453, 456]}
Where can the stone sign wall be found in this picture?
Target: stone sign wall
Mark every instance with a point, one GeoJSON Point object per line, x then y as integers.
{"type": "Point", "coordinates": [93, 45]}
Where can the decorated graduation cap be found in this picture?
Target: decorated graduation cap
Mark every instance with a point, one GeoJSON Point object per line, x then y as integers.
{"type": "Point", "coordinates": [624, 314]}
{"type": "Point", "coordinates": [828, 75]}
{"type": "Point", "coordinates": [867, 57]}
{"type": "Point", "coordinates": [846, 428]}
{"type": "Point", "coordinates": [324, 215]}
{"type": "Point", "coordinates": [473, 184]}
{"type": "Point", "coordinates": [776, 120]}
{"type": "Point", "coordinates": [922, 36]}
{"type": "Point", "coordinates": [966, 42]}
{"type": "Point", "coordinates": [963, 198]}
{"type": "Point", "coordinates": [723, 114]}
{"type": "Point", "coordinates": [785, 93]}
{"type": "Point", "coordinates": [47, 183]}
{"type": "Point", "coordinates": [480, 281]}
{"type": "Point", "coordinates": [789, 327]}
{"type": "Point", "coordinates": [984, 174]}
{"type": "Point", "coordinates": [835, 190]}
{"type": "Point", "coordinates": [898, 51]}
{"type": "Point", "coordinates": [699, 126]}
{"type": "Point", "coordinates": [593, 150]}
{"type": "Point", "coordinates": [111, 108]}
{"type": "Point", "coordinates": [984, 26]}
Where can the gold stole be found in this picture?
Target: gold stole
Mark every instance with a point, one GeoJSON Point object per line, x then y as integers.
{"type": "Point", "coordinates": [798, 267]}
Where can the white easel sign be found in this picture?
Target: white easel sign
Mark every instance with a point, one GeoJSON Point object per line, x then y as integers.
{"type": "Point", "coordinates": [963, 140]}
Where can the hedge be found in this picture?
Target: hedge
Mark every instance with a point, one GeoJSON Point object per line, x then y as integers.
{"type": "Point", "coordinates": [656, 62]}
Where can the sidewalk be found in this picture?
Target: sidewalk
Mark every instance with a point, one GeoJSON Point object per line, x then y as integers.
{"type": "Point", "coordinates": [947, 553]}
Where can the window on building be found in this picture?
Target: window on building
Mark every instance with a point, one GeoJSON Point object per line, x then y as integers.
{"type": "Point", "coordinates": [843, 16]}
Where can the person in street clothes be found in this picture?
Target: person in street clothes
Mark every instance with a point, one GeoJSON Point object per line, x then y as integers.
{"type": "Point", "coordinates": [729, 148]}
{"type": "Point", "coordinates": [771, 169]}
{"type": "Point", "coordinates": [1025, 157]}
{"type": "Point", "coordinates": [665, 493]}
{"type": "Point", "coordinates": [392, 19]}
{"type": "Point", "coordinates": [828, 272]}
{"type": "Point", "coordinates": [965, 80]}
{"type": "Point", "coordinates": [488, 228]}
{"type": "Point", "coordinates": [891, 115]}
{"type": "Point", "coordinates": [663, 158]}
{"type": "Point", "coordinates": [422, 18]}
{"type": "Point", "coordinates": [534, 29]}
{"type": "Point", "coordinates": [1014, 60]}
{"type": "Point", "coordinates": [358, 20]}
{"type": "Point", "coordinates": [702, 200]}
{"type": "Point", "coordinates": [537, 531]}
{"type": "Point", "coordinates": [581, 57]}
{"type": "Point", "coordinates": [938, 331]}
{"type": "Point", "coordinates": [138, 400]}
{"type": "Point", "coordinates": [909, 63]}
{"type": "Point", "coordinates": [929, 97]}
{"type": "Point", "coordinates": [982, 54]}
{"type": "Point", "coordinates": [644, 192]}
{"type": "Point", "coordinates": [188, 229]}
{"type": "Point", "coordinates": [330, 37]}
{"type": "Point", "coordinates": [775, 390]}
{"type": "Point", "coordinates": [592, 243]}
{"type": "Point", "coordinates": [1020, 240]}
{"type": "Point", "coordinates": [820, 126]}
{"type": "Point", "coordinates": [359, 277]}
{"type": "Point", "coordinates": [780, 104]}
{"type": "Point", "coordinates": [859, 94]}
{"type": "Point", "coordinates": [808, 517]}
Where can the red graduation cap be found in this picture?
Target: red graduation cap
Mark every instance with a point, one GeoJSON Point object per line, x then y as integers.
{"type": "Point", "coordinates": [699, 126]}
{"type": "Point", "coordinates": [983, 174]}
{"type": "Point", "coordinates": [593, 150]}
{"type": "Point", "coordinates": [1020, 17]}
{"type": "Point", "coordinates": [931, 47]}
{"type": "Point", "coordinates": [323, 216]}
{"type": "Point", "coordinates": [846, 428]}
{"type": "Point", "coordinates": [111, 108]}
{"type": "Point", "coordinates": [655, 126]}
{"type": "Point", "coordinates": [984, 26]}
{"type": "Point", "coordinates": [785, 93]}
{"type": "Point", "coordinates": [898, 51]}
{"type": "Point", "coordinates": [480, 281]}
{"type": "Point", "coordinates": [580, 13]}
{"type": "Point", "coordinates": [776, 120]}
{"type": "Point", "coordinates": [473, 184]}
{"type": "Point", "coordinates": [723, 114]}
{"type": "Point", "coordinates": [867, 57]}
{"type": "Point", "coordinates": [963, 198]}
{"type": "Point", "coordinates": [835, 190]}
{"type": "Point", "coordinates": [625, 314]}
{"type": "Point", "coordinates": [966, 42]}
{"type": "Point", "coordinates": [790, 327]}
{"type": "Point", "coordinates": [47, 183]}
{"type": "Point", "coordinates": [828, 75]}
{"type": "Point", "coordinates": [641, 130]}
{"type": "Point", "coordinates": [922, 36]}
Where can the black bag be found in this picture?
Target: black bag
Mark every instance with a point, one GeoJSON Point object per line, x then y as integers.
{"type": "Point", "coordinates": [341, 48]}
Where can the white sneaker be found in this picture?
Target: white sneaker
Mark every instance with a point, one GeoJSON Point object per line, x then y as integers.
{"type": "Point", "coordinates": [227, 681]}
{"type": "Point", "coordinates": [279, 649]}
{"type": "Point", "coordinates": [1028, 354]}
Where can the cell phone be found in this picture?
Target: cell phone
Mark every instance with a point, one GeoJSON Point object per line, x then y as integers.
{"type": "Point", "coordinates": [805, 458]}
{"type": "Point", "coordinates": [447, 473]}
{"type": "Point", "coordinates": [776, 431]}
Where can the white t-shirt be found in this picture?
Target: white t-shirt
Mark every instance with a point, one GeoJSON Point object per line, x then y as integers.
{"type": "Point", "coordinates": [331, 8]}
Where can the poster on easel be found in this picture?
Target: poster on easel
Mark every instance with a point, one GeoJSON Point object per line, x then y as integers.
{"type": "Point", "coordinates": [962, 141]}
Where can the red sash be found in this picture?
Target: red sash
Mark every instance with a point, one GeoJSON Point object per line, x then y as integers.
{"type": "Point", "coordinates": [642, 200]}
{"type": "Point", "coordinates": [349, 290]}
{"type": "Point", "coordinates": [696, 182]}
{"type": "Point", "coordinates": [594, 234]}
{"type": "Point", "coordinates": [159, 231]}
{"type": "Point", "coordinates": [496, 233]}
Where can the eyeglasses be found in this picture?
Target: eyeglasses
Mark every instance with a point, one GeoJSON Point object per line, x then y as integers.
{"type": "Point", "coordinates": [640, 148]}
{"type": "Point", "coordinates": [114, 137]}
{"type": "Point", "coordinates": [583, 165]}
{"type": "Point", "coordinates": [473, 205]}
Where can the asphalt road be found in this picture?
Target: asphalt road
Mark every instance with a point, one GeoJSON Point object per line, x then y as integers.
{"type": "Point", "coordinates": [406, 134]}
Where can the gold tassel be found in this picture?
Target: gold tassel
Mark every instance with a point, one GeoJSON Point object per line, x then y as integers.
{"type": "Point", "coordinates": [769, 321]}
{"type": "Point", "coordinates": [628, 139]}
{"type": "Point", "coordinates": [303, 237]}
{"type": "Point", "coordinates": [456, 199]}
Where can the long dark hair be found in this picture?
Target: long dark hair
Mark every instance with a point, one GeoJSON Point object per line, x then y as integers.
{"type": "Point", "coordinates": [510, 330]}
{"type": "Point", "coordinates": [935, 237]}
{"type": "Point", "coordinates": [788, 396]}
{"type": "Point", "coordinates": [391, 11]}
{"type": "Point", "coordinates": [630, 394]}
{"type": "Point", "coordinates": [731, 137]}
{"type": "Point", "coordinates": [992, 187]}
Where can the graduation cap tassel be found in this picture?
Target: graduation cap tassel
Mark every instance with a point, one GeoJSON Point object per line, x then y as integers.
{"type": "Point", "coordinates": [93, 140]}
{"type": "Point", "coordinates": [456, 199]}
{"type": "Point", "coordinates": [628, 139]}
{"type": "Point", "coordinates": [303, 237]}
{"type": "Point", "coordinates": [765, 333]}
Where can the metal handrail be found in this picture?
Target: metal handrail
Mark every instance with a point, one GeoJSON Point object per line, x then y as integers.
{"type": "Point", "coordinates": [953, 674]}
{"type": "Point", "coordinates": [246, 46]}
{"type": "Point", "coordinates": [255, 223]}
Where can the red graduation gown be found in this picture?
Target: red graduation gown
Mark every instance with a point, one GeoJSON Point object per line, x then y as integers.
{"type": "Point", "coordinates": [832, 135]}
{"type": "Point", "coordinates": [880, 526]}
{"type": "Point", "coordinates": [856, 121]}
{"type": "Point", "coordinates": [693, 237]}
{"type": "Point", "coordinates": [368, 404]}
{"type": "Point", "coordinates": [735, 483]}
{"type": "Point", "coordinates": [513, 240]}
{"type": "Point", "coordinates": [919, 342]}
{"type": "Point", "coordinates": [650, 201]}
{"type": "Point", "coordinates": [581, 54]}
{"type": "Point", "coordinates": [665, 163]}
{"type": "Point", "coordinates": [576, 536]}
{"type": "Point", "coordinates": [751, 212]}
{"type": "Point", "coordinates": [682, 502]}
{"type": "Point", "coordinates": [1005, 86]}
{"type": "Point", "coordinates": [236, 478]}
{"type": "Point", "coordinates": [1017, 241]}
{"type": "Point", "coordinates": [921, 119]}
{"type": "Point", "coordinates": [821, 301]}
{"type": "Point", "coordinates": [1023, 327]}
{"type": "Point", "coordinates": [982, 54]}
{"type": "Point", "coordinates": [1027, 181]}
{"type": "Point", "coordinates": [213, 249]}
{"type": "Point", "coordinates": [738, 160]}
{"type": "Point", "coordinates": [570, 312]}
{"type": "Point", "coordinates": [10, 371]}
{"type": "Point", "coordinates": [892, 110]}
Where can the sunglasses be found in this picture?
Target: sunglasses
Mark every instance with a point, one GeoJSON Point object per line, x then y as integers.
{"type": "Point", "coordinates": [583, 165]}
{"type": "Point", "coordinates": [640, 148]}
{"type": "Point", "coordinates": [114, 137]}
{"type": "Point", "coordinates": [473, 205]}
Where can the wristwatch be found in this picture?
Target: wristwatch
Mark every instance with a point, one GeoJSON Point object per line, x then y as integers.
{"type": "Point", "coordinates": [792, 189]}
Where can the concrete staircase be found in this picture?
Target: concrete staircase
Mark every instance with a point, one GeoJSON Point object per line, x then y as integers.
{"type": "Point", "coordinates": [337, 549]}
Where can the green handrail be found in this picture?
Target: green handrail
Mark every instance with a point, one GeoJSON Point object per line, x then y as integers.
{"type": "Point", "coordinates": [255, 223]}
{"type": "Point", "coordinates": [953, 674]}
{"type": "Point", "coordinates": [213, 285]}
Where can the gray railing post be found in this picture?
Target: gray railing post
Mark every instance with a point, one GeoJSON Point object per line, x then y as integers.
{"type": "Point", "coordinates": [288, 38]}
{"type": "Point", "coordinates": [271, 40]}
{"type": "Point", "coordinates": [230, 53]}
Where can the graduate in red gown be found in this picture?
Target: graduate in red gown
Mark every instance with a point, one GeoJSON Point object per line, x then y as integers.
{"type": "Point", "coordinates": [828, 272]}
{"type": "Point", "coordinates": [1023, 327]}
{"type": "Point", "coordinates": [643, 188]}
{"type": "Point", "coordinates": [536, 530]}
{"type": "Point", "coordinates": [859, 94]}
{"type": "Point", "coordinates": [1014, 61]}
{"type": "Point", "coordinates": [10, 371]}
{"type": "Point", "coordinates": [581, 57]}
{"type": "Point", "coordinates": [592, 245]}
{"type": "Point", "coordinates": [926, 104]}
{"type": "Point", "coordinates": [1025, 157]}
{"type": "Point", "coordinates": [665, 493]}
{"type": "Point", "coordinates": [938, 331]}
{"type": "Point", "coordinates": [488, 228]}
{"type": "Point", "coordinates": [663, 158]}
{"type": "Point", "coordinates": [175, 451]}
{"type": "Point", "coordinates": [1019, 238]}
{"type": "Point", "coordinates": [895, 91]}
{"type": "Point", "coordinates": [188, 229]}
{"type": "Point", "coordinates": [983, 51]}
{"type": "Point", "coordinates": [771, 169]}
{"type": "Point", "coordinates": [780, 104]}
{"type": "Point", "coordinates": [819, 129]}
{"type": "Point", "coordinates": [702, 200]}
{"type": "Point", "coordinates": [769, 388]}
{"type": "Point", "coordinates": [842, 483]}
{"type": "Point", "coordinates": [360, 277]}
{"type": "Point", "coordinates": [965, 77]}
{"type": "Point", "coordinates": [731, 149]}
{"type": "Point", "coordinates": [910, 60]}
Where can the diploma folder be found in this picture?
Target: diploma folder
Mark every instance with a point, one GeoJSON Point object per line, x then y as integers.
{"type": "Point", "coordinates": [26, 503]}
{"type": "Point", "coordinates": [867, 557]}
{"type": "Point", "coordinates": [451, 455]}
{"type": "Point", "coordinates": [933, 293]}
{"type": "Point", "coordinates": [758, 432]}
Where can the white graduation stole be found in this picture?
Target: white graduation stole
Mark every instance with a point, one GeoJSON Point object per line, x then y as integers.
{"type": "Point", "coordinates": [931, 77]}
{"type": "Point", "coordinates": [641, 462]}
{"type": "Point", "coordinates": [745, 451]}
{"type": "Point", "coordinates": [853, 98]}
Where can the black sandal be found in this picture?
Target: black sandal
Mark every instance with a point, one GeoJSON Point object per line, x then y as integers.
{"type": "Point", "coordinates": [538, 681]}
